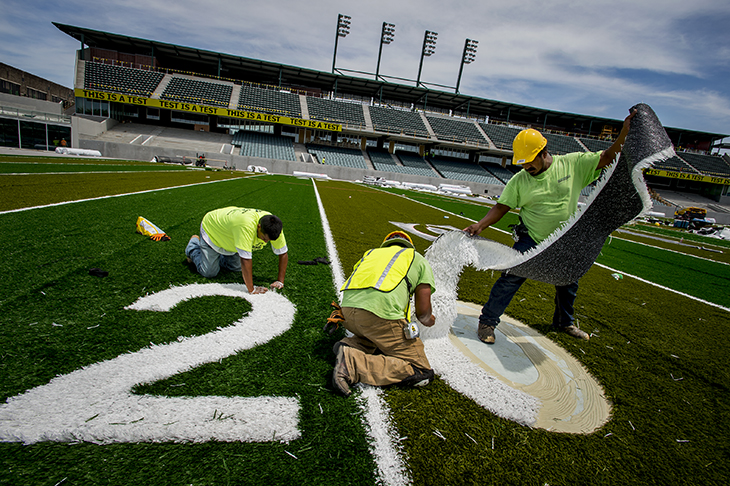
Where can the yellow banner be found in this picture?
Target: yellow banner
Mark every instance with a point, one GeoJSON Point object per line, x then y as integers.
{"type": "Point", "coordinates": [206, 110]}
{"type": "Point", "coordinates": [688, 177]}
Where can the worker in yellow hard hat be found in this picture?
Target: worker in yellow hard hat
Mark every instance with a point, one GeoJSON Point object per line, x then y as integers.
{"type": "Point", "coordinates": [546, 192]}
{"type": "Point", "coordinates": [384, 348]}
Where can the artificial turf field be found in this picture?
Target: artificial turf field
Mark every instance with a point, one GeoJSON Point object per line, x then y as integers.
{"type": "Point", "coordinates": [660, 356]}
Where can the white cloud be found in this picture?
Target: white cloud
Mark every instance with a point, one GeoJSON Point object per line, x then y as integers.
{"type": "Point", "coordinates": [594, 57]}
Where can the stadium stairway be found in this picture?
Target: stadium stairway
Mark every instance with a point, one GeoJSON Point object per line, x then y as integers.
{"type": "Point", "coordinates": [304, 106]}
{"type": "Point", "coordinates": [368, 118]}
{"type": "Point", "coordinates": [429, 128]}
{"type": "Point", "coordinates": [161, 87]}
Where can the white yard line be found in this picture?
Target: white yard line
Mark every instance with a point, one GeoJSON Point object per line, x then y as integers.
{"type": "Point", "coordinates": [667, 249]}
{"type": "Point", "coordinates": [376, 414]}
{"type": "Point", "coordinates": [663, 287]}
{"type": "Point", "coordinates": [108, 197]}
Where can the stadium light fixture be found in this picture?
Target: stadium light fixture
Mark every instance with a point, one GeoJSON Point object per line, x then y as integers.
{"type": "Point", "coordinates": [429, 47]}
{"type": "Point", "coordinates": [387, 35]}
{"type": "Point", "coordinates": [343, 28]}
{"type": "Point", "coordinates": [470, 54]}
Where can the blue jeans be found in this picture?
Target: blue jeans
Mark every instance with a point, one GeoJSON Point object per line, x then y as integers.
{"type": "Point", "coordinates": [507, 285]}
{"type": "Point", "coordinates": [207, 261]}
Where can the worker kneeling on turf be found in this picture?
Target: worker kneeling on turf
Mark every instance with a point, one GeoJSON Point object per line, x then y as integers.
{"type": "Point", "coordinates": [385, 348]}
{"type": "Point", "coordinates": [228, 237]}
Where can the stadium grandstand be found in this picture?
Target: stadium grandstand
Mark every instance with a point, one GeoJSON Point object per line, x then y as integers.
{"type": "Point", "coordinates": [289, 118]}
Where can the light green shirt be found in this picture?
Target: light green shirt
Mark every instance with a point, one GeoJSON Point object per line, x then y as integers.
{"type": "Point", "coordinates": [549, 199]}
{"type": "Point", "coordinates": [233, 230]}
{"type": "Point", "coordinates": [391, 305]}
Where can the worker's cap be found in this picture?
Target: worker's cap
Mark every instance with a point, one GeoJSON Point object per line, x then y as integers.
{"type": "Point", "coordinates": [526, 145]}
{"type": "Point", "coordinates": [397, 238]}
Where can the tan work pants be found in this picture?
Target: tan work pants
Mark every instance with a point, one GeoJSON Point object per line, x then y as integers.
{"type": "Point", "coordinates": [372, 333]}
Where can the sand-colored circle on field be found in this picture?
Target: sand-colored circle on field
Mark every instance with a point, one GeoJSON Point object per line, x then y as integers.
{"type": "Point", "coordinates": [572, 401]}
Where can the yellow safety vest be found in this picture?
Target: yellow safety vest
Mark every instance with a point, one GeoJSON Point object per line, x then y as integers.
{"type": "Point", "coordinates": [383, 269]}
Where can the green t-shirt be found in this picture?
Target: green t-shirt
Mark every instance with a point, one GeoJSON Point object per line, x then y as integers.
{"type": "Point", "coordinates": [549, 199]}
{"type": "Point", "coordinates": [233, 230]}
{"type": "Point", "coordinates": [391, 305]}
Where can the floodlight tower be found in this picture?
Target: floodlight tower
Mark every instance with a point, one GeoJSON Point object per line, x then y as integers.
{"type": "Point", "coordinates": [470, 53]}
{"type": "Point", "coordinates": [343, 28]}
{"type": "Point", "coordinates": [429, 47]}
{"type": "Point", "coordinates": [386, 37]}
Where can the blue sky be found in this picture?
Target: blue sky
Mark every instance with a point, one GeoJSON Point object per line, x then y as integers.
{"type": "Point", "coordinates": [591, 57]}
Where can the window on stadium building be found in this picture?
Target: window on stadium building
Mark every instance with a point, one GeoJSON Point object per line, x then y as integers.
{"type": "Point", "coordinates": [188, 118]}
{"type": "Point", "coordinates": [32, 134]}
{"type": "Point", "coordinates": [35, 94]}
{"type": "Point", "coordinates": [92, 107]}
{"type": "Point", "coordinates": [56, 133]}
{"type": "Point", "coordinates": [8, 132]}
{"type": "Point", "coordinates": [9, 87]}
{"type": "Point", "coordinates": [153, 113]}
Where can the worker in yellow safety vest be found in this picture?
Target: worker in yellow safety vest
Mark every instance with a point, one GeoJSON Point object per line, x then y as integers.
{"type": "Point", "coordinates": [385, 348]}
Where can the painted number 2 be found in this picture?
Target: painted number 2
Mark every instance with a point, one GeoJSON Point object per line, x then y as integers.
{"type": "Point", "coordinates": [95, 404]}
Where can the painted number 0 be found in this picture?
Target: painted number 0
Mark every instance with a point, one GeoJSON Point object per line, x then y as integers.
{"type": "Point", "coordinates": [95, 404]}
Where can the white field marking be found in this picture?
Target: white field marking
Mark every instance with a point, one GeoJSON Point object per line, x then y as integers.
{"type": "Point", "coordinates": [135, 138]}
{"type": "Point", "coordinates": [663, 287]}
{"type": "Point", "coordinates": [95, 403]}
{"type": "Point", "coordinates": [667, 249]}
{"type": "Point", "coordinates": [337, 273]}
{"type": "Point", "coordinates": [434, 228]}
{"type": "Point", "coordinates": [222, 147]}
{"type": "Point", "coordinates": [387, 450]}
{"type": "Point", "coordinates": [376, 414]}
{"type": "Point", "coordinates": [112, 196]}
{"type": "Point", "coordinates": [148, 139]}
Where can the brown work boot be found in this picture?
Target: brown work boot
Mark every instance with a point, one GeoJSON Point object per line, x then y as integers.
{"type": "Point", "coordinates": [486, 333]}
{"type": "Point", "coordinates": [340, 376]}
{"type": "Point", "coordinates": [574, 330]}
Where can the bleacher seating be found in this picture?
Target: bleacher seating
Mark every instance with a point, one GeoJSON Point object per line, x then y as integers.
{"type": "Point", "coordinates": [338, 156]}
{"type": "Point", "coordinates": [463, 171]}
{"type": "Point", "coordinates": [707, 164]}
{"type": "Point", "coordinates": [595, 145]}
{"type": "Point", "coordinates": [382, 160]}
{"type": "Point", "coordinates": [455, 129]}
{"type": "Point", "coordinates": [337, 111]}
{"type": "Point", "coordinates": [493, 165]}
{"type": "Point", "coordinates": [104, 77]}
{"type": "Point", "coordinates": [674, 164]}
{"type": "Point", "coordinates": [264, 145]}
{"type": "Point", "coordinates": [415, 164]}
{"type": "Point", "coordinates": [271, 101]}
{"type": "Point", "coordinates": [197, 91]}
{"type": "Point", "coordinates": [398, 121]}
{"type": "Point", "coordinates": [562, 144]}
{"type": "Point", "coordinates": [501, 135]}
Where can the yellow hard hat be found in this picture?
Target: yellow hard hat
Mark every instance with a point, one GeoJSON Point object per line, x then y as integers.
{"type": "Point", "coordinates": [526, 145]}
{"type": "Point", "coordinates": [397, 238]}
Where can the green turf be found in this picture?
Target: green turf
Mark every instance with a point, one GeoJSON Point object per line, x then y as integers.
{"type": "Point", "coordinates": [51, 250]}
{"type": "Point", "coordinates": [39, 168]}
{"type": "Point", "coordinates": [21, 191]}
{"type": "Point", "coordinates": [660, 357]}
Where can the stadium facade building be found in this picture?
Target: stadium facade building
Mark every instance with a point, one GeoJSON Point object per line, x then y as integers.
{"type": "Point", "coordinates": [33, 110]}
{"type": "Point", "coordinates": [286, 117]}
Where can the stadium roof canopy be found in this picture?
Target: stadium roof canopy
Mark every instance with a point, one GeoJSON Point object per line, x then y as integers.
{"type": "Point", "coordinates": [172, 56]}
